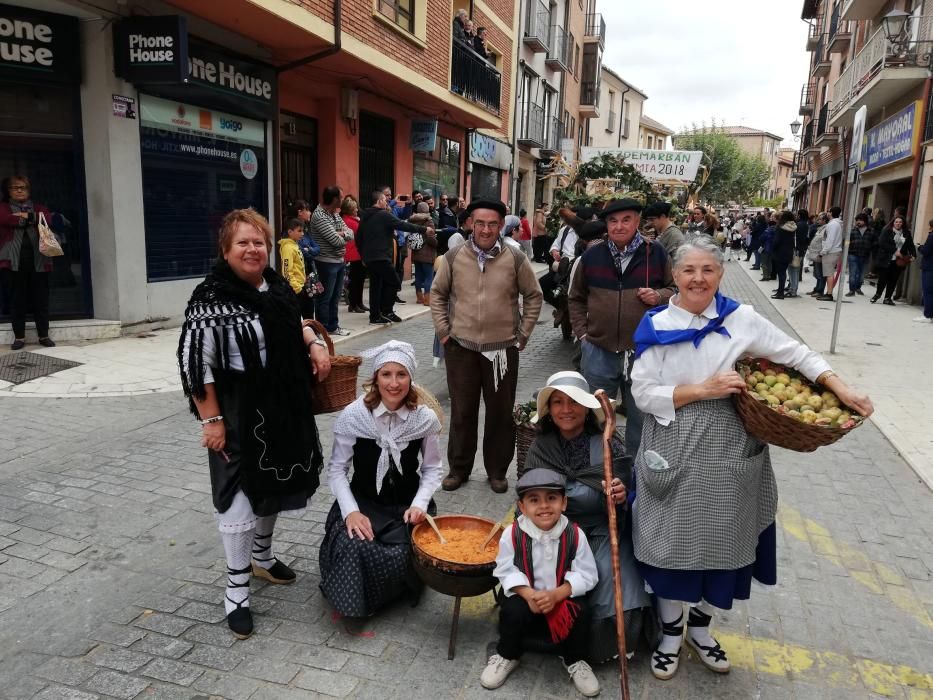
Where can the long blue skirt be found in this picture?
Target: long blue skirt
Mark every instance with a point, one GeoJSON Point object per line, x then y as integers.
{"type": "Point", "coordinates": [718, 587]}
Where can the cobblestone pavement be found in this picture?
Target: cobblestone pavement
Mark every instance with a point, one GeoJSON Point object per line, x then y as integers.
{"type": "Point", "coordinates": [111, 573]}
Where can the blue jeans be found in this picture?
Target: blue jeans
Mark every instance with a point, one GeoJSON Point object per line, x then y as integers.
{"type": "Point", "coordinates": [603, 370]}
{"type": "Point", "coordinates": [757, 254]}
{"type": "Point", "coordinates": [424, 276]}
{"type": "Point", "coordinates": [793, 278]}
{"type": "Point", "coordinates": [856, 272]}
{"type": "Point", "coordinates": [325, 305]}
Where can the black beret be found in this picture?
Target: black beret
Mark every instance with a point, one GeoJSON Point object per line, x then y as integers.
{"type": "Point", "coordinates": [493, 204]}
{"type": "Point", "coordinates": [540, 478]}
{"type": "Point", "coordinates": [626, 204]}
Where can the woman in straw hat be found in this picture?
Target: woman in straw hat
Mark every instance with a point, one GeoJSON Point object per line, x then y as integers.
{"type": "Point", "coordinates": [390, 438]}
{"type": "Point", "coordinates": [570, 442]}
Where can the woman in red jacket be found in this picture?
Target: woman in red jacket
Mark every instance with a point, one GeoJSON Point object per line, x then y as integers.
{"type": "Point", "coordinates": [20, 258]}
{"type": "Point", "coordinates": [356, 272]}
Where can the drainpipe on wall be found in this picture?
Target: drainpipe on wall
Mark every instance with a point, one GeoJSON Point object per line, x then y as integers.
{"type": "Point", "coordinates": [276, 127]}
{"type": "Point", "coordinates": [628, 89]}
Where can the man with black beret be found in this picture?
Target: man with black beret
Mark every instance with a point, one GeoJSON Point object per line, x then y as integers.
{"type": "Point", "coordinates": [615, 282]}
{"type": "Point", "coordinates": [475, 306]}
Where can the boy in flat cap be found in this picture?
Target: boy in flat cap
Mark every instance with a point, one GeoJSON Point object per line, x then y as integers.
{"type": "Point", "coordinates": [545, 566]}
{"type": "Point", "coordinates": [475, 305]}
{"type": "Point", "coordinates": [614, 284]}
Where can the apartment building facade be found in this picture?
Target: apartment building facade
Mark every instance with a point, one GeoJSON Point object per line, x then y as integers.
{"type": "Point", "coordinates": [156, 118]}
{"type": "Point", "coordinates": [761, 144]}
{"type": "Point", "coordinates": [653, 135]}
{"type": "Point", "coordinates": [621, 106]}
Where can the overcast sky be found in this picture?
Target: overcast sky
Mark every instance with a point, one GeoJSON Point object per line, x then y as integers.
{"type": "Point", "coordinates": [740, 61]}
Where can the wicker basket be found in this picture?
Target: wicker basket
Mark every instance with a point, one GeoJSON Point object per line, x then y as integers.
{"type": "Point", "coordinates": [775, 428]}
{"type": "Point", "coordinates": [524, 436]}
{"type": "Point", "coordinates": [339, 389]}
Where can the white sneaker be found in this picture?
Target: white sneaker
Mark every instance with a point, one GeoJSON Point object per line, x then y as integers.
{"type": "Point", "coordinates": [923, 319]}
{"type": "Point", "coordinates": [496, 671]}
{"type": "Point", "coordinates": [340, 331]}
{"type": "Point", "coordinates": [584, 679]}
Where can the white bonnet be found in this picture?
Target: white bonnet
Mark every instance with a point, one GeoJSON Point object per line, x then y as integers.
{"type": "Point", "coordinates": [392, 351]}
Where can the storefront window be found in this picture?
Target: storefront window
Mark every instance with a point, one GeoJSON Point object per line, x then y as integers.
{"type": "Point", "coordinates": [485, 183]}
{"type": "Point", "coordinates": [37, 125]}
{"type": "Point", "coordinates": [439, 171]}
{"type": "Point", "coordinates": [197, 165]}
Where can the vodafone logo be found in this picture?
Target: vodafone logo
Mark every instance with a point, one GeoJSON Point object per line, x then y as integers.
{"type": "Point", "coordinates": [180, 119]}
{"type": "Point", "coordinates": [249, 165]}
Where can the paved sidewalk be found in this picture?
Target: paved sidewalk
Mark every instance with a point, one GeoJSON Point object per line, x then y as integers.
{"type": "Point", "coordinates": [111, 572]}
{"type": "Point", "coordinates": [880, 350]}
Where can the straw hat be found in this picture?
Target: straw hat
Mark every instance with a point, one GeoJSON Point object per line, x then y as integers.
{"type": "Point", "coordinates": [576, 387]}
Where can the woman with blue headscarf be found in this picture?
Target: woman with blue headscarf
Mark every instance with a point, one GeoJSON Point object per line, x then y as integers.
{"type": "Point", "coordinates": [706, 497]}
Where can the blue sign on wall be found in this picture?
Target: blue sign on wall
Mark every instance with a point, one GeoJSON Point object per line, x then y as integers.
{"type": "Point", "coordinates": [423, 135]}
{"type": "Point", "coordinates": [893, 139]}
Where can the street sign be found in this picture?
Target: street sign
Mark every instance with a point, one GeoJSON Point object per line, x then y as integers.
{"type": "Point", "coordinates": [858, 135]}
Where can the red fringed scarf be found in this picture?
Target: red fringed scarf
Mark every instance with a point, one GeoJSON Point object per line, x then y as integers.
{"type": "Point", "coordinates": [560, 620]}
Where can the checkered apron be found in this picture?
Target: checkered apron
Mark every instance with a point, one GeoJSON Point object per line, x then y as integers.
{"type": "Point", "coordinates": [707, 509]}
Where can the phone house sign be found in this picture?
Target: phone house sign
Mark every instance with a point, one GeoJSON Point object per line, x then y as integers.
{"type": "Point", "coordinates": [38, 45]}
{"type": "Point", "coordinates": [227, 76]}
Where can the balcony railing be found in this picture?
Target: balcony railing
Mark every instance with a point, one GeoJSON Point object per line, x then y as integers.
{"type": "Point", "coordinates": [928, 131]}
{"type": "Point", "coordinates": [815, 32]}
{"type": "Point", "coordinates": [839, 34]}
{"type": "Point", "coordinates": [596, 28]}
{"type": "Point", "coordinates": [823, 129]}
{"type": "Point", "coordinates": [555, 131]}
{"type": "Point", "coordinates": [474, 78]}
{"type": "Point", "coordinates": [589, 93]}
{"type": "Point", "coordinates": [876, 55]}
{"type": "Point", "coordinates": [821, 61]}
{"type": "Point", "coordinates": [537, 26]}
{"type": "Point", "coordinates": [558, 55]}
{"type": "Point", "coordinates": [806, 141]}
{"type": "Point", "coordinates": [807, 99]}
{"type": "Point", "coordinates": [611, 123]}
{"type": "Point", "coordinates": [532, 127]}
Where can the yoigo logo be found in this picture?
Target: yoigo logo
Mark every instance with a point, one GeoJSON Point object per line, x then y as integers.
{"type": "Point", "coordinates": [249, 164]}
{"type": "Point", "coordinates": [231, 124]}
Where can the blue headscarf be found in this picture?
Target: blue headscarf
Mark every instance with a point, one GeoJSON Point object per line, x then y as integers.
{"type": "Point", "coordinates": [647, 335]}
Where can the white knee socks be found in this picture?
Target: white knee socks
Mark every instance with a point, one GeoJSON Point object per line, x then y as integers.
{"type": "Point", "coordinates": [672, 620]}
{"type": "Point", "coordinates": [237, 550]}
{"type": "Point", "coordinates": [262, 542]}
{"type": "Point", "coordinates": [698, 624]}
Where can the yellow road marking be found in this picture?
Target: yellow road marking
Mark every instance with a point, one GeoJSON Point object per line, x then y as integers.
{"type": "Point", "coordinates": [878, 578]}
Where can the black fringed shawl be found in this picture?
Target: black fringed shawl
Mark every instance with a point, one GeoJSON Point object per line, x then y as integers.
{"type": "Point", "coordinates": [276, 425]}
{"type": "Point", "coordinates": [550, 451]}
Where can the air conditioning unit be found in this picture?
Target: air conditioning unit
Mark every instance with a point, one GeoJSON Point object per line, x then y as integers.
{"type": "Point", "coordinates": [349, 103]}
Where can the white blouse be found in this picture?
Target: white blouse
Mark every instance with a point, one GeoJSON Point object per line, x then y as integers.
{"type": "Point", "coordinates": [661, 368]}
{"type": "Point", "coordinates": [341, 461]}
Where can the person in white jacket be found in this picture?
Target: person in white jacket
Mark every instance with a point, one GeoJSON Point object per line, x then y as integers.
{"type": "Point", "coordinates": [831, 251]}
{"type": "Point", "coordinates": [546, 567]}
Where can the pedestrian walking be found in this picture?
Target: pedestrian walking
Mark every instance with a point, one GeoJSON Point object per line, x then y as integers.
{"type": "Point", "coordinates": [485, 302]}
{"type": "Point", "coordinates": [706, 498]}
{"type": "Point", "coordinates": [246, 368]}
{"type": "Point", "coordinates": [896, 250]}
{"type": "Point", "coordinates": [831, 252]}
{"type": "Point", "coordinates": [614, 284]}
{"type": "Point", "coordinates": [861, 243]}
{"type": "Point", "coordinates": [331, 235]}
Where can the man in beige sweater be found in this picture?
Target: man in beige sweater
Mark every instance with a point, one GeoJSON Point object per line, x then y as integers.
{"type": "Point", "coordinates": [475, 305]}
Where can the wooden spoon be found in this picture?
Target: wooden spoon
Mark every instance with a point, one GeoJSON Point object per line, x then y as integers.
{"type": "Point", "coordinates": [435, 528]}
{"type": "Point", "coordinates": [489, 536]}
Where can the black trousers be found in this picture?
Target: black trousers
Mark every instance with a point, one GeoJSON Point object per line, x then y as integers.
{"type": "Point", "coordinates": [887, 280]}
{"type": "Point", "coordinates": [356, 277]}
{"type": "Point", "coordinates": [539, 247]}
{"type": "Point", "coordinates": [29, 289]}
{"type": "Point", "coordinates": [780, 269]}
{"type": "Point", "coordinates": [517, 623]}
{"type": "Point", "coordinates": [384, 284]}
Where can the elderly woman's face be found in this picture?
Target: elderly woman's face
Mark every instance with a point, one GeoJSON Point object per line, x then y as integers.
{"type": "Point", "coordinates": [18, 190]}
{"type": "Point", "coordinates": [697, 277]}
{"type": "Point", "coordinates": [247, 254]}
{"type": "Point", "coordinates": [393, 382]}
{"type": "Point", "coordinates": [567, 414]}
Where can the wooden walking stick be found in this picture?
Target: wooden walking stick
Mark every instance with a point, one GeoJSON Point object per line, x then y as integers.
{"type": "Point", "coordinates": [608, 432]}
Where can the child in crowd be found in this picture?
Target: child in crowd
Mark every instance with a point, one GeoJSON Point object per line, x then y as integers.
{"type": "Point", "coordinates": [292, 259]}
{"type": "Point", "coordinates": [545, 566]}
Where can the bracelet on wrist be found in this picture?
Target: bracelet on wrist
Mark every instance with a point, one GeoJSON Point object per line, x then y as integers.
{"type": "Point", "coordinates": [214, 419]}
{"type": "Point", "coordinates": [821, 380]}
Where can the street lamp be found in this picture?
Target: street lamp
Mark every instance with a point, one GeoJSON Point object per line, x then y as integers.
{"type": "Point", "coordinates": [795, 129]}
{"type": "Point", "coordinates": [895, 24]}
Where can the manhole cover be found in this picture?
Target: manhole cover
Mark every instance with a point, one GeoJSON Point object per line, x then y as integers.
{"type": "Point", "coordinates": [20, 367]}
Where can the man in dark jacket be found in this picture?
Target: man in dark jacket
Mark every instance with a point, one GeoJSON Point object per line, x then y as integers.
{"type": "Point", "coordinates": [801, 241]}
{"type": "Point", "coordinates": [445, 214]}
{"type": "Point", "coordinates": [861, 242]}
{"type": "Point", "coordinates": [754, 242]}
{"type": "Point", "coordinates": [782, 250]}
{"type": "Point", "coordinates": [376, 242]}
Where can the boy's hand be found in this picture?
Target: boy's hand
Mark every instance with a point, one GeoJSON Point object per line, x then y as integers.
{"type": "Point", "coordinates": [548, 600]}
{"type": "Point", "coordinates": [528, 593]}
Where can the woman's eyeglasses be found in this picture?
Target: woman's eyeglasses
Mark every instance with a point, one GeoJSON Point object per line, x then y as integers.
{"type": "Point", "coordinates": [21, 188]}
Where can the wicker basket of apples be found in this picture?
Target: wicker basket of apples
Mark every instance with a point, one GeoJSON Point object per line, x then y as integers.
{"type": "Point", "coordinates": [784, 408]}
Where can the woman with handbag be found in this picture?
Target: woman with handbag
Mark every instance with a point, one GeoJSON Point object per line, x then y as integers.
{"type": "Point", "coordinates": [895, 251]}
{"type": "Point", "coordinates": [389, 438]}
{"type": "Point", "coordinates": [247, 368]}
{"type": "Point", "coordinates": [22, 260]}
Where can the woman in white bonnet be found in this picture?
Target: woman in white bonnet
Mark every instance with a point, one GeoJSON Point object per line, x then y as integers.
{"type": "Point", "coordinates": [390, 438]}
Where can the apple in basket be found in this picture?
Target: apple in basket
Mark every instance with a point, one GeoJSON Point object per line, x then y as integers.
{"type": "Point", "coordinates": [787, 392]}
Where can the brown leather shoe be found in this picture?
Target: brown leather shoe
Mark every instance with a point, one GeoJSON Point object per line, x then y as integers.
{"type": "Point", "coordinates": [452, 482]}
{"type": "Point", "coordinates": [499, 485]}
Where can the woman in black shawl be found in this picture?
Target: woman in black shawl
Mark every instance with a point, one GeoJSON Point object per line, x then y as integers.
{"type": "Point", "coordinates": [570, 442]}
{"type": "Point", "coordinates": [246, 368]}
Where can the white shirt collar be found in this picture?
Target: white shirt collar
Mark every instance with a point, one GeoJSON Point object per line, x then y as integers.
{"type": "Point", "coordinates": [682, 314]}
{"type": "Point", "coordinates": [402, 411]}
{"type": "Point", "coordinates": [536, 533]}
